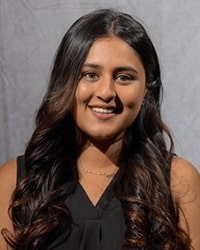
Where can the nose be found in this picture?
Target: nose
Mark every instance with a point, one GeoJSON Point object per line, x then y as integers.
{"type": "Point", "coordinates": [106, 89]}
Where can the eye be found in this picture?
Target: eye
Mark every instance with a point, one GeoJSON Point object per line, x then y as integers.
{"type": "Point", "coordinates": [91, 76]}
{"type": "Point", "coordinates": [124, 78]}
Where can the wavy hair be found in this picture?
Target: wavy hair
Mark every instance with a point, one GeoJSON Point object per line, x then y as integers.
{"type": "Point", "coordinates": [38, 210]}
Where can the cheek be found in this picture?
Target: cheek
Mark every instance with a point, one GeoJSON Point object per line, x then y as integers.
{"type": "Point", "coordinates": [133, 99]}
{"type": "Point", "coordinates": [135, 104]}
{"type": "Point", "coordinates": [82, 94]}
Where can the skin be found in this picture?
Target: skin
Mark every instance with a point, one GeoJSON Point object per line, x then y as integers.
{"type": "Point", "coordinates": [185, 186]}
{"type": "Point", "coordinates": [7, 186]}
{"type": "Point", "coordinates": [103, 85]}
{"type": "Point", "coordinates": [110, 93]}
{"type": "Point", "coordinates": [108, 98]}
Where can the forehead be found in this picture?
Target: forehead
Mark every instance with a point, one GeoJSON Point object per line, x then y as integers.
{"type": "Point", "coordinates": [113, 52]}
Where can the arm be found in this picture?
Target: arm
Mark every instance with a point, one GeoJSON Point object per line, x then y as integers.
{"type": "Point", "coordinates": [7, 186]}
{"type": "Point", "coordinates": [185, 181]}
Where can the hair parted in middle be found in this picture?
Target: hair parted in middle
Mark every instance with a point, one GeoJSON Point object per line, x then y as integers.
{"type": "Point", "coordinates": [143, 180]}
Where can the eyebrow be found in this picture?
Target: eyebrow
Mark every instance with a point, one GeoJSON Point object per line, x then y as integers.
{"type": "Point", "coordinates": [92, 65]}
{"type": "Point", "coordinates": [117, 69]}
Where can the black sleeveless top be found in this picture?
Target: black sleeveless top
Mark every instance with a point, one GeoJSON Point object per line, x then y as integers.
{"type": "Point", "coordinates": [99, 227]}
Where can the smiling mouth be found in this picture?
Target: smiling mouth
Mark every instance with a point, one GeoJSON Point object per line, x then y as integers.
{"type": "Point", "coordinates": [103, 110]}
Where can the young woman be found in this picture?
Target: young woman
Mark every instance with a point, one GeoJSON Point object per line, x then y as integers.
{"type": "Point", "coordinates": [97, 173]}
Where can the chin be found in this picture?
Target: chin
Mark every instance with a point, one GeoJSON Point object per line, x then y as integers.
{"type": "Point", "coordinates": [106, 137]}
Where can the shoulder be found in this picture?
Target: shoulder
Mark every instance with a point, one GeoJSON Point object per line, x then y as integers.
{"type": "Point", "coordinates": [8, 176]}
{"type": "Point", "coordinates": [185, 179]}
{"type": "Point", "coordinates": [8, 173]}
{"type": "Point", "coordinates": [185, 185]}
{"type": "Point", "coordinates": [8, 168]}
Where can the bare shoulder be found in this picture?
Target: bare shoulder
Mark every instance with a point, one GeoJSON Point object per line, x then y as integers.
{"type": "Point", "coordinates": [8, 174]}
{"type": "Point", "coordinates": [185, 179]}
{"type": "Point", "coordinates": [185, 185]}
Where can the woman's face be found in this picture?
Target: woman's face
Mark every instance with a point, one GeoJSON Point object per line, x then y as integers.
{"type": "Point", "coordinates": [110, 92]}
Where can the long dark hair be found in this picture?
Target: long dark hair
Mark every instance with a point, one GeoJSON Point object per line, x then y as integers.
{"type": "Point", "coordinates": [143, 187]}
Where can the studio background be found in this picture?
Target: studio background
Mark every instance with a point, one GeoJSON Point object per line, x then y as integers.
{"type": "Point", "coordinates": [30, 31]}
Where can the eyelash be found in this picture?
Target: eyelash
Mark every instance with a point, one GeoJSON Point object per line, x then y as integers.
{"type": "Point", "coordinates": [90, 75]}
{"type": "Point", "coordinates": [123, 78]}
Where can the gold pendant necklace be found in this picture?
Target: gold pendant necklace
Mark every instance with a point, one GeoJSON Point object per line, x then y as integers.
{"type": "Point", "coordinates": [98, 173]}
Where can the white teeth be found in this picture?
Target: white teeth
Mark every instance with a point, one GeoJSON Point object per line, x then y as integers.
{"type": "Point", "coordinates": [103, 110]}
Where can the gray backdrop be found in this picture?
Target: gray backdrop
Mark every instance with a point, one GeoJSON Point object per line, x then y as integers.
{"type": "Point", "coordinates": [30, 31]}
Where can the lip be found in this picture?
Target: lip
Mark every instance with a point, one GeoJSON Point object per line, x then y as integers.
{"type": "Point", "coordinates": [103, 112]}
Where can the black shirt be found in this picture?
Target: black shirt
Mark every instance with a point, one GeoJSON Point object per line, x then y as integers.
{"type": "Point", "coordinates": [99, 227]}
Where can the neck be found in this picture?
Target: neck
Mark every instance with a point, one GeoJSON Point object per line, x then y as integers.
{"type": "Point", "coordinates": [100, 155]}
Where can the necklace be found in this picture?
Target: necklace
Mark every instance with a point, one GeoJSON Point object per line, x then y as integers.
{"type": "Point", "coordinates": [98, 173]}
